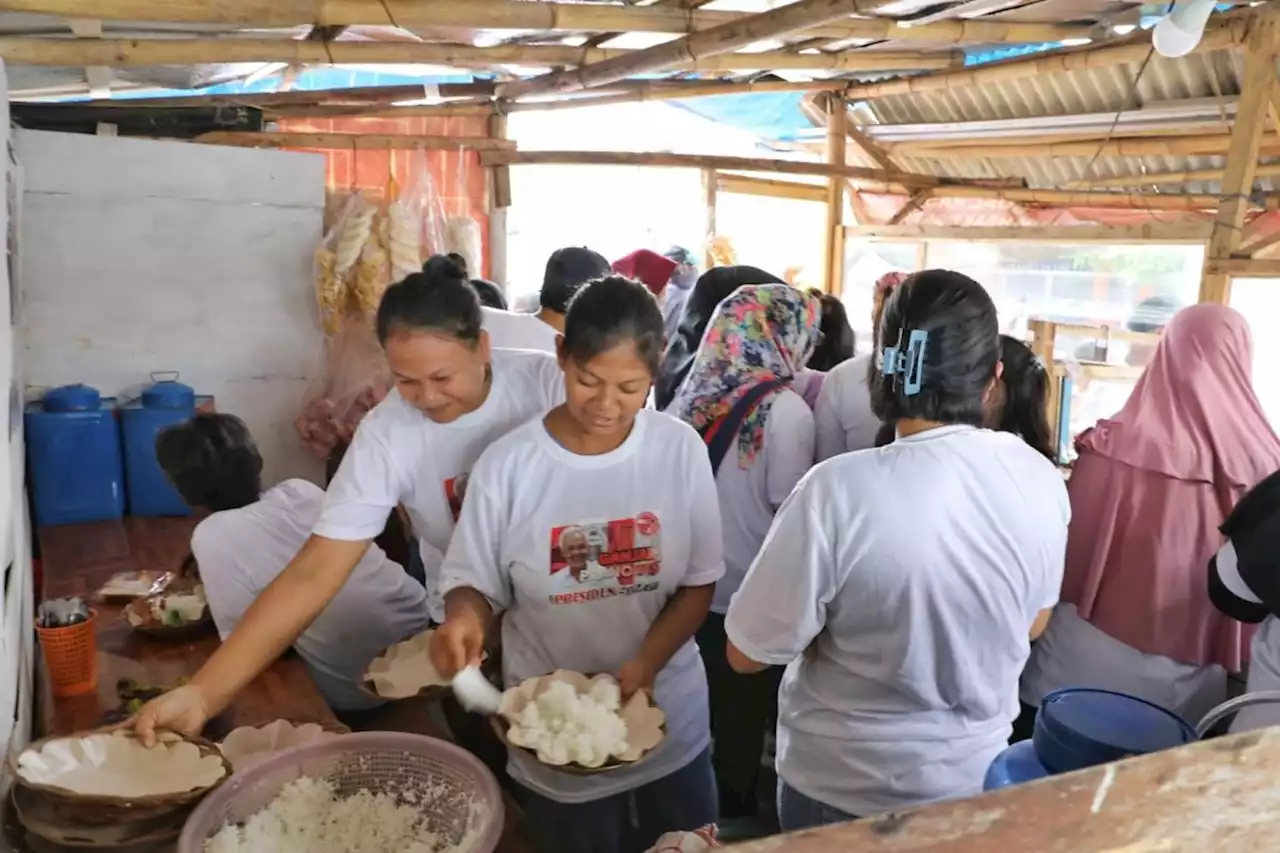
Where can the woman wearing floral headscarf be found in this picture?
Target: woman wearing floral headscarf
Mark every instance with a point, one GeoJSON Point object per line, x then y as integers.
{"type": "Point", "coordinates": [843, 417]}
{"type": "Point", "coordinates": [759, 433]}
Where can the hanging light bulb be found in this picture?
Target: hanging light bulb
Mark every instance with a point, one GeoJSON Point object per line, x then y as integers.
{"type": "Point", "coordinates": [1180, 31]}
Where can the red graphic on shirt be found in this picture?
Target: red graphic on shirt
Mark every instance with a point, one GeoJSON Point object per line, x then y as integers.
{"type": "Point", "coordinates": [598, 560]}
{"type": "Point", "coordinates": [455, 489]}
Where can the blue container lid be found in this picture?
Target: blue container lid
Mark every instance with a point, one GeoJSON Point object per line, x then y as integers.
{"type": "Point", "coordinates": [169, 395]}
{"type": "Point", "coordinates": [72, 398]}
{"type": "Point", "coordinates": [1080, 728]}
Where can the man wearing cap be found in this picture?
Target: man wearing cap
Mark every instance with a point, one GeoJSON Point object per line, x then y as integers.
{"type": "Point", "coordinates": [567, 270]}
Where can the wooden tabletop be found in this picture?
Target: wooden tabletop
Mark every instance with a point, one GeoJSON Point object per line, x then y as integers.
{"type": "Point", "coordinates": [1217, 795]}
{"type": "Point", "coordinates": [78, 559]}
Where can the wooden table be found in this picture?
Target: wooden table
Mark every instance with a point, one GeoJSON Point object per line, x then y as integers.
{"type": "Point", "coordinates": [77, 559]}
{"type": "Point", "coordinates": [1217, 795]}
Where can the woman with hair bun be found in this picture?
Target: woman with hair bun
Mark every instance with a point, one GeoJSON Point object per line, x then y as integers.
{"type": "Point", "coordinates": [453, 396]}
{"type": "Point", "coordinates": [902, 586]}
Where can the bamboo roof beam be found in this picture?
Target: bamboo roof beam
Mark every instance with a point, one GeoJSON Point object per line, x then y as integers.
{"type": "Point", "coordinates": [357, 96]}
{"type": "Point", "coordinates": [1225, 31]}
{"type": "Point", "coordinates": [895, 181]}
{"type": "Point", "coordinates": [770, 188]}
{"type": "Point", "coordinates": [1186, 176]}
{"type": "Point", "coordinates": [353, 141]}
{"type": "Point", "coordinates": [517, 15]}
{"type": "Point", "coordinates": [1160, 145]}
{"type": "Point", "coordinates": [1147, 232]}
{"type": "Point", "coordinates": [714, 41]}
{"type": "Point", "coordinates": [122, 53]}
{"type": "Point", "coordinates": [705, 161]}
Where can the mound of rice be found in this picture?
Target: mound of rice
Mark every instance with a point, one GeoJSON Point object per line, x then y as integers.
{"type": "Point", "coordinates": [307, 816]}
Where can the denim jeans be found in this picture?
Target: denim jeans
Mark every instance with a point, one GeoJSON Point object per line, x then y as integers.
{"type": "Point", "coordinates": [629, 822]}
{"type": "Point", "coordinates": [796, 811]}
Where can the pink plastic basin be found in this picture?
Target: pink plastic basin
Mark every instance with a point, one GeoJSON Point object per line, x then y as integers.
{"type": "Point", "coordinates": [379, 762]}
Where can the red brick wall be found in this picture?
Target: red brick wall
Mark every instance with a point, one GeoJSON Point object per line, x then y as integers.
{"type": "Point", "coordinates": [457, 175]}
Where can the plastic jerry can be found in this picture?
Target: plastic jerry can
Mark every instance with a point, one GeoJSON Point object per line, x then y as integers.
{"type": "Point", "coordinates": [73, 457]}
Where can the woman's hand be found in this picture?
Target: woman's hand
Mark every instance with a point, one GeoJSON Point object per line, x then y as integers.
{"type": "Point", "coordinates": [184, 710]}
{"type": "Point", "coordinates": [457, 644]}
{"type": "Point", "coordinates": [636, 675]}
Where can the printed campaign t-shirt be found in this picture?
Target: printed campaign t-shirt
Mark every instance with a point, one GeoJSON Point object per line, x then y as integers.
{"type": "Point", "coordinates": [241, 551]}
{"type": "Point", "coordinates": [915, 571]}
{"type": "Point", "coordinates": [509, 330]}
{"type": "Point", "coordinates": [400, 456]}
{"type": "Point", "coordinates": [749, 497]}
{"type": "Point", "coordinates": [582, 553]}
{"type": "Point", "coordinates": [843, 419]}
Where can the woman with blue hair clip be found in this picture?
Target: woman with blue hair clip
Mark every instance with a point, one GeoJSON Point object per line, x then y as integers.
{"type": "Point", "coordinates": [902, 585]}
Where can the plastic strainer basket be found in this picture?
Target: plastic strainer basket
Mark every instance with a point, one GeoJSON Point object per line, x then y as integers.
{"type": "Point", "coordinates": [379, 762]}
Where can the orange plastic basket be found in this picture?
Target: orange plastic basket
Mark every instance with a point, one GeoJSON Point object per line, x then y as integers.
{"type": "Point", "coordinates": [71, 657]}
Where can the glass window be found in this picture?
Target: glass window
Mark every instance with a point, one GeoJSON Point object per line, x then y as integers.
{"type": "Point", "coordinates": [1099, 284]}
{"type": "Point", "coordinates": [1258, 299]}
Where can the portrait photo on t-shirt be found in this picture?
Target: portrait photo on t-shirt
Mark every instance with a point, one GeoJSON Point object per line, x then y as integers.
{"type": "Point", "coordinates": [455, 490]}
{"type": "Point", "coordinates": [593, 560]}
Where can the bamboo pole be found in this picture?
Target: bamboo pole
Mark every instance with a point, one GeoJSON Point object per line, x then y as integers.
{"type": "Point", "coordinates": [837, 141]}
{"type": "Point", "coordinates": [771, 188]}
{"type": "Point", "coordinates": [517, 15]}
{"type": "Point", "coordinates": [704, 161]}
{"type": "Point", "coordinates": [710, 194]}
{"type": "Point", "coordinates": [1186, 176]}
{"type": "Point", "coordinates": [1257, 84]}
{"type": "Point", "coordinates": [1243, 267]}
{"type": "Point", "coordinates": [357, 96]}
{"type": "Point", "coordinates": [1148, 232]}
{"type": "Point", "coordinates": [499, 201]}
{"type": "Point", "coordinates": [1137, 201]}
{"type": "Point", "coordinates": [893, 181]}
{"type": "Point", "coordinates": [1228, 31]}
{"type": "Point", "coordinates": [1158, 145]}
{"type": "Point", "coordinates": [123, 53]}
{"type": "Point", "coordinates": [721, 39]}
{"type": "Point", "coordinates": [353, 141]}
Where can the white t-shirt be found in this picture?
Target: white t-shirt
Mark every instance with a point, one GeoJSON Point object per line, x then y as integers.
{"type": "Point", "coordinates": [509, 330]}
{"type": "Point", "coordinates": [241, 551]}
{"type": "Point", "coordinates": [900, 585]}
{"type": "Point", "coordinates": [843, 418]}
{"type": "Point", "coordinates": [582, 553]}
{"type": "Point", "coordinates": [400, 456]}
{"type": "Point", "coordinates": [1073, 653]}
{"type": "Point", "coordinates": [749, 498]}
{"type": "Point", "coordinates": [1264, 674]}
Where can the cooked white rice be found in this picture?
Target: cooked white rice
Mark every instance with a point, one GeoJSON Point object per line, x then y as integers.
{"type": "Point", "coordinates": [307, 816]}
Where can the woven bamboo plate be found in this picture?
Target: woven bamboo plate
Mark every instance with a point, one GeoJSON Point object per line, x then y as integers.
{"type": "Point", "coordinates": [42, 817]}
{"type": "Point", "coordinates": [249, 745]}
{"type": "Point", "coordinates": [99, 809]}
{"type": "Point", "coordinates": [646, 723]}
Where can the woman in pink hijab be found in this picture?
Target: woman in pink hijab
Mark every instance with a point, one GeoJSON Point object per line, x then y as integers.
{"type": "Point", "coordinates": [1148, 492]}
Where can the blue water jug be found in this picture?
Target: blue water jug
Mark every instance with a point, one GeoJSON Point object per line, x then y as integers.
{"type": "Point", "coordinates": [164, 403]}
{"type": "Point", "coordinates": [1079, 728]}
{"type": "Point", "coordinates": [73, 457]}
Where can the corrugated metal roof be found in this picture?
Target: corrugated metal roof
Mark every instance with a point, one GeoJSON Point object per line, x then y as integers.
{"type": "Point", "coordinates": [1100, 90]}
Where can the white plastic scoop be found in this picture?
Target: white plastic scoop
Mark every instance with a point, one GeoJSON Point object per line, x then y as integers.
{"type": "Point", "coordinates": [475, 692]}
